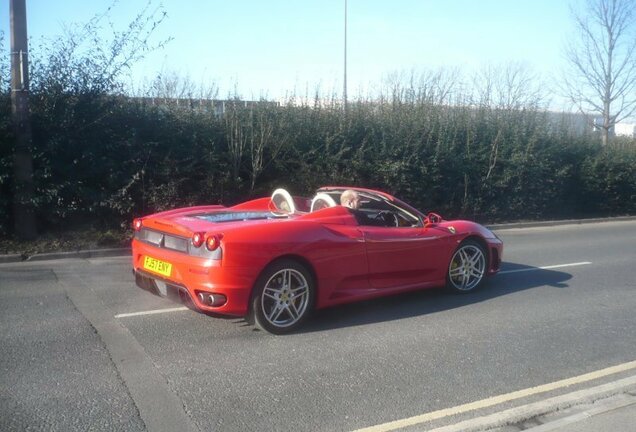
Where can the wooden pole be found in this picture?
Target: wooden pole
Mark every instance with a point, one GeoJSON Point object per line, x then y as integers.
{"type": "Point", "coordinates": [23, 209]}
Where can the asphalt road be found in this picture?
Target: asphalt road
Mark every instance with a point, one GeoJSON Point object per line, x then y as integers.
{"type": "Point", "coordinates": [69, 359]}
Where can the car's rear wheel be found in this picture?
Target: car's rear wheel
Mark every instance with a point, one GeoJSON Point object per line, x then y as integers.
{"type": "Point", "coordinates": [283, 297]}
{"type": "Point", "coordinates": [467, 268]}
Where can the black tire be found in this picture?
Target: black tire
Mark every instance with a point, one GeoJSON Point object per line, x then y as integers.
{"type": "Point", "coordinates": [283, 297]}
{"type": "Point", "coordinates": [467, 268]}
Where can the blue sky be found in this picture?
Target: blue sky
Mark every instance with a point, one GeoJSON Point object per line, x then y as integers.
{"type": "Point", "coordinates": [270, 47]}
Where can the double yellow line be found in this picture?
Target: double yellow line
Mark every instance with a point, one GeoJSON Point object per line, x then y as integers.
{"type": "Point", "coordinates": [495, 400]}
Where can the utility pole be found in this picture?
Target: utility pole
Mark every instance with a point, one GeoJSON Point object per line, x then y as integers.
{"type": "Point", "coordinates": [344, 92]}
{"type": "Point", "coordinates": [23, 192]}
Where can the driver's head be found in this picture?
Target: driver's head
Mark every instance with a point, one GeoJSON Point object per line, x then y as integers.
{"type": "Point", "coordinates": [350, 198]}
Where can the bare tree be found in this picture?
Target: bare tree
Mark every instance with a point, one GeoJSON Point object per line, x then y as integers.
{"type": "Point", "coordinates": [508, 86]}
{"type": "Point", "coordinates": [236, 137]}
{"type": "Point", "coordinates": [86, 58]}
{"type": "Point", "coordinates": [601, 74]}
{"type": "Point", "coordinates": [430, 86]}
{"type": "Point", "coordinates": [170, 86]}
{"type": "Point", "coordinates": [250, 130]}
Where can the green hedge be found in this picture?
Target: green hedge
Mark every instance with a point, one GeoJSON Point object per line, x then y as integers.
{"type": "Point", "coordinates": [102, 159]}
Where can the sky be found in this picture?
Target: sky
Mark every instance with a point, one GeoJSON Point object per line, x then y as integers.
{"type": "Point", "coordinates": [269, 48]}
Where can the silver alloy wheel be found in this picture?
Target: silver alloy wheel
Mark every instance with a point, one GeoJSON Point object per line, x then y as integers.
{"type": "Point", "coordinates": [285, 298]}
{"type": "Point", "coordinates": [467, 267]}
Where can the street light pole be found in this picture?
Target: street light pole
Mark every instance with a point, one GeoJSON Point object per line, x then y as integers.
{"type": "Point", "coordinates": [344, 93]}
{"type": "Point", "coordinates": [23, 214]}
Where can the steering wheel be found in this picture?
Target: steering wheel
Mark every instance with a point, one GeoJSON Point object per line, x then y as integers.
{"type": "Point", "coordinates": [389, 218]}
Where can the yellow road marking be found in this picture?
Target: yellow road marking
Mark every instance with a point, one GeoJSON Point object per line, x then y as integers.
{"type": "Point", "coordinates": [495, 400]}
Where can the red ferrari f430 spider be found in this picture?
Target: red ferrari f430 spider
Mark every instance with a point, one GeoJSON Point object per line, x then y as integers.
{"type": "Point", "coordinates": [275, 259]}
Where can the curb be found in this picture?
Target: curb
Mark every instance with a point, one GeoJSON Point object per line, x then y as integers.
{"type": "Point", "coordinates": [95, 253]}
{"type": "Point", "coordinates": [624, 401]}
{"type": "Point", "coordinates": [523, 413]}
{"type": "Point", "coordinates": [11, 258]}
{"type": "Point", "coordinates": [504, 226]}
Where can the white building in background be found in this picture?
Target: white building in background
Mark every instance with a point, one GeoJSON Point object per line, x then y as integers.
{"type": "Point", "coordinates": [625, 129]}
{"type": "Point", "coordinates": [622, 129]}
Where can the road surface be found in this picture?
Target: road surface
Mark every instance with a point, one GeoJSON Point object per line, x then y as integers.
{"type": "Point", "coordinates": [83, 348]}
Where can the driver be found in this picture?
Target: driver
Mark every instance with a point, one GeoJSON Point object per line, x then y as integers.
{"type": "Point", "coordinates": [351, 199]}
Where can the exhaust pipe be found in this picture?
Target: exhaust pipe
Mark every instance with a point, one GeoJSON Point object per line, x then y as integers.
{"type": "Point", "coordinates": [213, 300]}
{"type": "Point", "coordinates": [216, 299]}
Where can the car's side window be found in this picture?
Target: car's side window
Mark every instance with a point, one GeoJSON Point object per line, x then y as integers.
{"type": "Point", "coordinates": [371, 210]}
{"type": "Point", "coordinates": [385, 216]}
{"type": "Point", "coordinates": [368, 217]}
{"type": "Point", "coordinates": [406, 219]}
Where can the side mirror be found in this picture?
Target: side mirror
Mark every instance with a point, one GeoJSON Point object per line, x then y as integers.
{"type": "Point", "coordinates": [432, 219]}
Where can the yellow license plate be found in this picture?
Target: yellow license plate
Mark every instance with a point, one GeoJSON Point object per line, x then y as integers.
{"type": "Point", "coordinates": [157, 266]}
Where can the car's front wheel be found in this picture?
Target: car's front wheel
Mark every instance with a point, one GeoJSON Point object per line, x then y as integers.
{"type": "Point", "coordinates": [283, 297]}
{"type": "Point", "coordinates": [467, 268]}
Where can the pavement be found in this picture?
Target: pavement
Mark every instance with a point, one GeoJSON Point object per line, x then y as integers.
{"type": "Point", "coordinates": [607, 407]}
{"type": "Point", "coordinates": [610, 416]}
{"type": "Point", "coordinates": [617, 414]}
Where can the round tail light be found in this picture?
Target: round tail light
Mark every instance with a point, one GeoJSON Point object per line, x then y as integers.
{"type": "Point", "coordinates": [137, 224]}
{"type": "Point", "coordinates": [198, 239]}
{"type": "Point", "coordinates": [212, 242]}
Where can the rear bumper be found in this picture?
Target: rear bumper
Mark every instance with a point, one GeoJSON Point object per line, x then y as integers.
{"type": "Point", "coordinates": [163, 288]}
{"type": "Point", "coordinates": [191, 276]}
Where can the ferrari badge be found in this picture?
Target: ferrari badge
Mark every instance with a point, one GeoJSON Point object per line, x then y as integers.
{"type": "Point", "coordinates": [451, 229]}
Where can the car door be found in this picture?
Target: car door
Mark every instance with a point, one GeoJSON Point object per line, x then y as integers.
{"type": "Point", "coordinates": [405, 256]}
{"type": "Point", "coordinates": [337, 254]}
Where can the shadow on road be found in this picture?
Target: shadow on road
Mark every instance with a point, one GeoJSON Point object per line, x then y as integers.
{"type": "Point", "coordinates": [514, 278]}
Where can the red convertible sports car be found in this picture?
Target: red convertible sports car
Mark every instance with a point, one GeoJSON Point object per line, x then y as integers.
{"type": "Point", "coordinates": [275, 259]}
